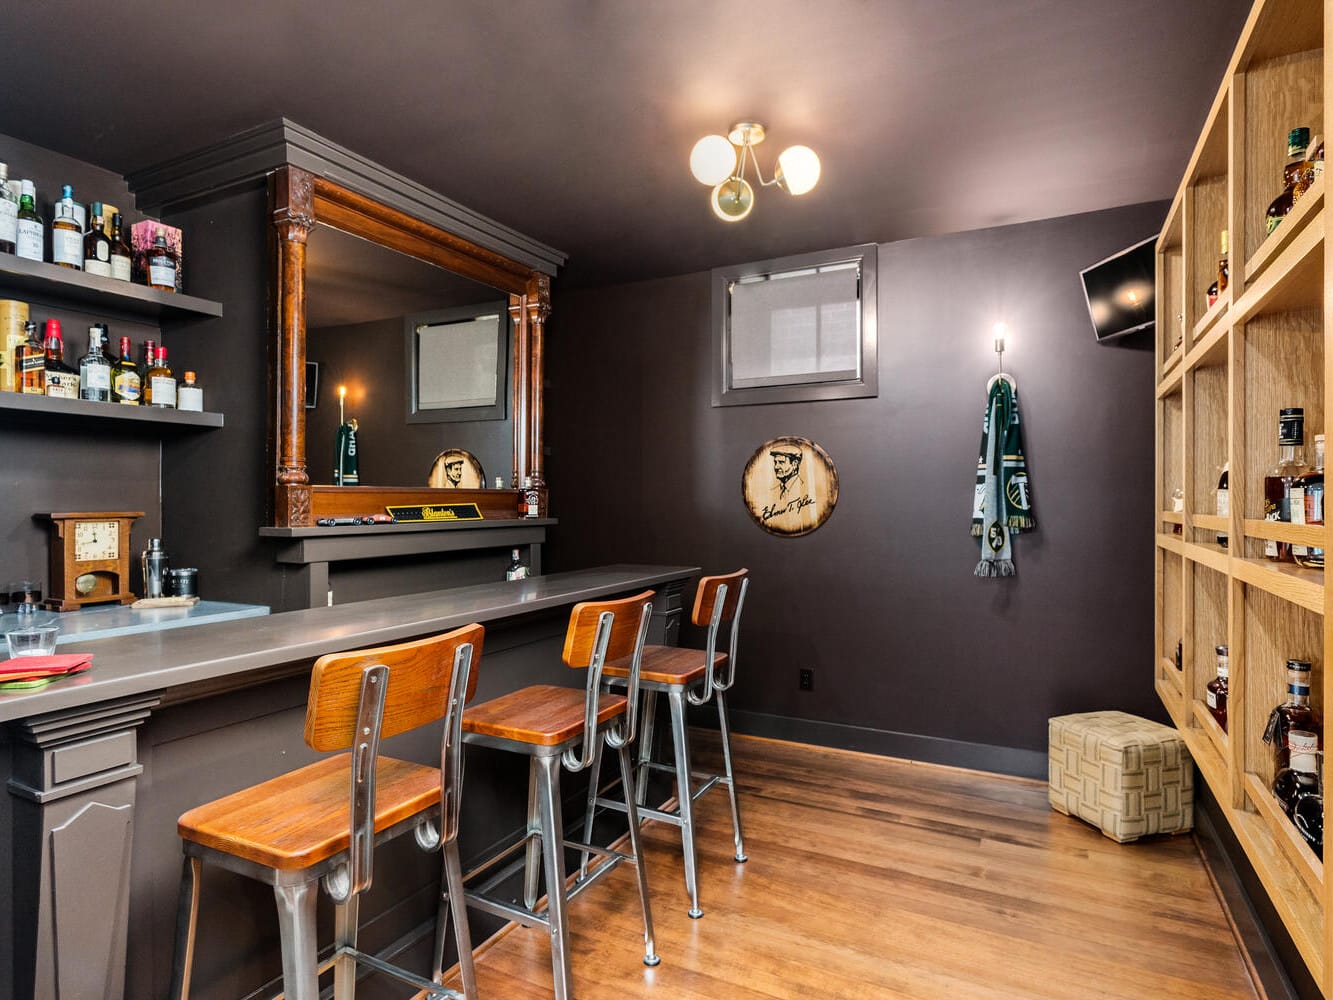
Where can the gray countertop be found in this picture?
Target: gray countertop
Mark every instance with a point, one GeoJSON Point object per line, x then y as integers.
{"type": "Point", "coordinates": [164, 660]}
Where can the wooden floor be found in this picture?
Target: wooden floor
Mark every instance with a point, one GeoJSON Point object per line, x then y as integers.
{"type": "Point", "coordinates": [876, 878]}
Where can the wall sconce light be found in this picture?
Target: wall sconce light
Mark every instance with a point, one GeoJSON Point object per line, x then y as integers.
{"type": "Point", "coordinates": [719, 161]}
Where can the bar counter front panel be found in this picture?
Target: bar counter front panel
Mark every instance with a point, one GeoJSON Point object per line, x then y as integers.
{"type": "Point", "coordinates": [99, 767]}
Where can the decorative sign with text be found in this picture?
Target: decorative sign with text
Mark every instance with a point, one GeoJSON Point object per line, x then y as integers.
{"type": "Point", "coordinates": [434, 512]}
{"type": "Point", "coordinates": [790, 486]}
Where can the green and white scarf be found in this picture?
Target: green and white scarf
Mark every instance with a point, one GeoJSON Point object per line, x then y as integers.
{"type": "Point", "coordinates": [1002, 506]}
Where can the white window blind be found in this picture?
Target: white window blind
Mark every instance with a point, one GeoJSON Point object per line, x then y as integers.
{"type": "Point", "coordinates": [796, 327]}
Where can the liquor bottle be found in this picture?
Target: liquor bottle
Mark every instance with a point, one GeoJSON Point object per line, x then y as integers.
{"type": "Point", "coordinates": [1290, 467]}
{"type": "Point", "coordinates": [1298, 776]}
{"type": "Point", "coordinates": [125, 384]}
{"type": "Point", "coordinates": [160, 390]}
{"type": "Point", "coordinates": [516, 570]}
{"type": "Point", "coordinates": [30, 363]}
{"type": "Point", "coordinates": [66, 233]}
{"type": "Point", "coordinates": [1219, 285]}
{"type": "Point", "coordinates": [1216, 691]}
{"type": "Point", "coordinates": [1307, 810]}
{"type": "Point", "coordinates": [190, 394]}
{"type": "Point", "coordinates": [1297, 141]}
{"type": "Point", "coordinates": [1223, 501]}
{"type": "Point", "coordinates": [1312, 168]}
{"type": "Point", "coordinates": [1293, 714]}
{"type": "Point", "coordinates": [96, 246]}
{"type": "Point", "coordinates": [1177, 507]}
{"type": "Point", "coordinates": [95, 368]}
{"type": "Point", "coordinates": [149, 356]}
{"type": "Point", "coordinates": [121, 258]}
{"type": "Point", "coordinates": [162, 263]}
{"type": "Point", "coordinates": [9, 213]}
{"type": "Point", "coordinates": [62, 381]}
{"type": "Point", "coordinates": [30, 236]}
{"type": "Point", "coordinates": [523, 498]}
{"type": "Point", "coordinates": [1307, 507]}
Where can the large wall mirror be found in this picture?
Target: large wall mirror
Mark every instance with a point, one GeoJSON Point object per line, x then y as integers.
{"type": "Point", "coordinates": [378, 300]}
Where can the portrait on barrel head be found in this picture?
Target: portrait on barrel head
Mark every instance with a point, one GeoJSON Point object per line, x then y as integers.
{"type": "Point", "coordinates": [456, 469]}
{"type": "Point", "coordinates": [789, 486]}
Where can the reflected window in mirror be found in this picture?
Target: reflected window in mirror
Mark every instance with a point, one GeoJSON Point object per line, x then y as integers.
{"type": "Point", "coordinates": [456, 360]}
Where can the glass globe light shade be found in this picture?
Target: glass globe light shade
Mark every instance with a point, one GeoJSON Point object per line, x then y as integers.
{"type": "Point", "coordinates": [798, 169]}
{"type": "Point", "coordinates": [712, 160]}
{"type": "Point", "coordinates": [732, 200]}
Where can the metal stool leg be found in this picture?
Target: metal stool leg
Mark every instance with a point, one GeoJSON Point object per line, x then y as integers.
{"type": "Point", "coordinates": [647, 726]}
{"type": "Point", "coordinates": [453, 874]}
{"type": "Point", "coordinates": [594, 783]}
{"type": "Point", "coordinates": [345, 916]}
{"type": "Point", "coordinates": [636, 845]}
{"type": "Point", "coordinates": [553, 856]}
{"type": "Point", "coordinates": [731, 778]}
{"type": "Point", "coordinates": [534, 856]}
{"type": "Point", "coordinates": [187, 920]}
{"type": "Point", "coordinates": [685, 796]}
{"type": "Point", "coordinates": [296, 926]}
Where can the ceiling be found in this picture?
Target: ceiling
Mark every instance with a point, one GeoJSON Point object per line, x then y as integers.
{"type": "Point", "coordinates": [572, 120]}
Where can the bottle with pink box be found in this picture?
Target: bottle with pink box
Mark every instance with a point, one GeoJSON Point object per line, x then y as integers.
{"type": "Point", "coordinates": [155, 259]}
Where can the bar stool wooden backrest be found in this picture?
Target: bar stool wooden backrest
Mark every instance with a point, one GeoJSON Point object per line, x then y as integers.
{"type": "Point", "coordinates": [600, 631]}
{"type": "Point", "coordinates": [718, 600]}
{"type": "Point", "coordinates": [352, 706]}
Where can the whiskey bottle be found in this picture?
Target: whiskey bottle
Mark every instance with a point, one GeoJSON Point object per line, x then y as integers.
{"type": "Point", "coordinates": [162, 263]}
{"type": "Point", "coordinates": [1219, 285]}
{"type": "Point", "coordinates": [149, 356]}
{"type": "Point", "coordinates": [1290, 467]}
{"type": "Point", "coordinates": [190, 394]}
{"type": "Point", "coordinates": [95, 368]}
{"type": "Point", "coordinates": [161, 388]}
{"type": "Point", "coordinates": [96, 246]}
{"type": "Point", "coordinates": [1223, 502]}
{"type": "Point", "coordinates": [30, 363]}
{"type": "Point", "coordinates": [9, 213]}
{"type": "Point", "coordinates": [1293, 714]}
{"type": "Point", "coordinates": [66, 233]}
{"type": "Point", "coordinates": [1216, 691]}
{"type": "Point", "coordinates": [1298, 777]}
{"type": "Point", "coordinates": [1312, 168]}
{"type": "Point", "coordinates": [1307, 810]}
{"type": "Point", "coordinates": [516, 570]}
{"type": "Point", "coordinates": [30, 235]}
{"type": "Point", "coordinates": [121, 258]}
{"type": "Point", "coordinates": [125, 386]}
{"type": "Point", "coordinates": [1297, 141]}
{"type": "Point", "coordinates": [1307, 507]}
{"type": "Point", "coordinates": [62, 381]}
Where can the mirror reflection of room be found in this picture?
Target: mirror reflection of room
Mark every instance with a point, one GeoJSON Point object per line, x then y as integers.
{"type": "Point", "coordinates": [363, 304]}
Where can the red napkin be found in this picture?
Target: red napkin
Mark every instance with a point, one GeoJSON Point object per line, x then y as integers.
{"type": "Point", "coordinates": [30, 667]}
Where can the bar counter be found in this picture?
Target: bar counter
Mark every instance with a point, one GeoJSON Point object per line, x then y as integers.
{"type": "Point", "coordinates": [99, 765]}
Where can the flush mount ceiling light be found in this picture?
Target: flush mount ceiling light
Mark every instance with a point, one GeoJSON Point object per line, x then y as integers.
{"type": "Point", "coordinates": [719, 161]}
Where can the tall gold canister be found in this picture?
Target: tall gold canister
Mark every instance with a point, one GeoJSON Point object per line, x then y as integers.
{"type": "Point", "coordinates": [13, 314]}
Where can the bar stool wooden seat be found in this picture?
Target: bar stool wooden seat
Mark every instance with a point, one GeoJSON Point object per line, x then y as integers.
{"type": "Point", "coordinates": [565, 728]}
{"type": "Point", "coordinates": [319, 825]}
{"type": "Point", "coordinates": [684, 675]}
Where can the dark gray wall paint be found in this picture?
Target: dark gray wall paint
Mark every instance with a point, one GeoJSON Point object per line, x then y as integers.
{"type": "Point", "coordinates": [881, 601]}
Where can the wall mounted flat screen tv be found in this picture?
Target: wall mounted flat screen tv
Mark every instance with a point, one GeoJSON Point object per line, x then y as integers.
{"type": "Point", "coordinates": [1120, 291]}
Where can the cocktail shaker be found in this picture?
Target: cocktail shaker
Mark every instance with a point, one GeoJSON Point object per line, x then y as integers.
{"type": "Point", "coordinates": [154, 561]}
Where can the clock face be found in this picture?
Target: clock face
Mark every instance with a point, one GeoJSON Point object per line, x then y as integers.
{"type": "Point", "coordinates": [96, 540]}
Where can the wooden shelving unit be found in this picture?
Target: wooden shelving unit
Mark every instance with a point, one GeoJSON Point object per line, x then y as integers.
{"type": "Point", "coordinates": [1223, 372]}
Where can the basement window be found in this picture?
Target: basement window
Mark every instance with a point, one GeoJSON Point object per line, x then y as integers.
{"type": "Point", "coordinates": [796, 329]}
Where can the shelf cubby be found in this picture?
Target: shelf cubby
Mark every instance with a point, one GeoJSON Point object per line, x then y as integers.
{"type": "Point", "coordinates": [1170, 291]}
{"type": "Point", "coordinates": [1207, 628]}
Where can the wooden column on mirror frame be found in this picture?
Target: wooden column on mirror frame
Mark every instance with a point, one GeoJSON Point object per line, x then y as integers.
{"type": "Point", "coordinates": [291, 194]}
{"type": "Point", "coordinates": [539, 308]}
{"type": "Point", "coordinates": [518, 315]}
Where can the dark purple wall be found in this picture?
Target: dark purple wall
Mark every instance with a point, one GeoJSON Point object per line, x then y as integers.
{"type": "Point", "coordinates": [881, 602]}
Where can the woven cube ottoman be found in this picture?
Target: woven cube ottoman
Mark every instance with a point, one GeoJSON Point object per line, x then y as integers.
{"type": "Point", "coordinates": [1125, 775]}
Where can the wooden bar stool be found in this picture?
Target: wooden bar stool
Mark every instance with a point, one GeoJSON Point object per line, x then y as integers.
{"type": "Point", "coordinates": [695, 676]}
{"type": "Point", "coordinates": [564, 727]}
{"type": "Point", "coordinates": [318, 826]}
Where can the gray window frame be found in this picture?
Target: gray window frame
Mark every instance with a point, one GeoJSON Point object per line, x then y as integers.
{"type": "Point", "coordinates": [461, 414]}
{"type": "Point", "coordinates": [860, 387]}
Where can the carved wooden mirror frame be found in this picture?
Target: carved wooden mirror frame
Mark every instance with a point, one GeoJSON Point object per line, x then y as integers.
{"type": "Point", "coordinates": [298, 199]}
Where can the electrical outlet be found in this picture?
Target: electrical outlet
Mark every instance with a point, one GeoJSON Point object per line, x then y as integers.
{"type": "Point", "coordinates": [807, 679]}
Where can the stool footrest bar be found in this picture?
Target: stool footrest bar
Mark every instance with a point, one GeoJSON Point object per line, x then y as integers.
{"type": "Point", "coordinates": [509, 911]}
{"type": "Point", "coordinates": [432, 989]}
